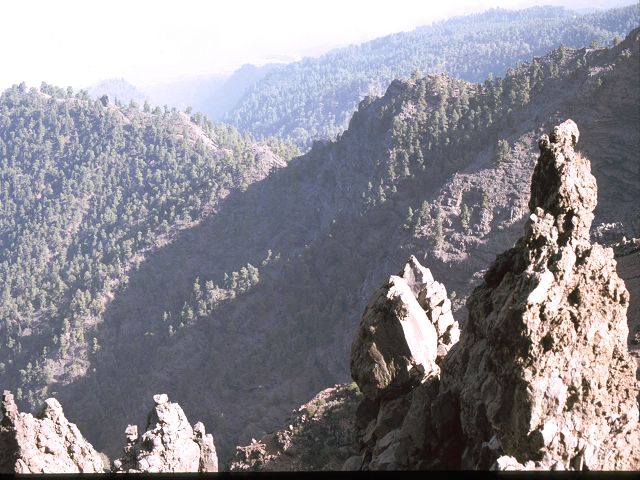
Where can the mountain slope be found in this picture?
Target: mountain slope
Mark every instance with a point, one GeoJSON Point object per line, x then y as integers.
{"type": "Point", "coordinates": [315, 97]}
{"type": "Point", "coordinates": [88, 189]}
{"type": "Point", "coordinates": [215, 103]}
{"type": "Point", "coordinates": [251, 312]}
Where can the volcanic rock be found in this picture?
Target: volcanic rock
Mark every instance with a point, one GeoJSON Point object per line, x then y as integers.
{"type": "Point", "coordinates": [406, 331]}
{"type": "Point", "coordinates": [541, 377]}
{"type": "Point", "coordinates": [397, 344]}
{"type": "Point", "coordinates": [46, 443]}
{"type": "Point", "coordinates": [543, 364]}
{"type": "Point", "coordinates": [170, 444]}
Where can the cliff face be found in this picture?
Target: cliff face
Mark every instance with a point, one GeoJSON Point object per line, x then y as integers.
{"type": "Point", "coordinates": [541, 377]}
{"type": "Point", "coordinates": [46, 443]}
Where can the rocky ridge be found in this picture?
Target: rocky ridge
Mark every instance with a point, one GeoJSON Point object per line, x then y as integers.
{"type": "Point", "coordinates": [46, 443]}
{"type": "Point", "coordinates": [49, 443]}
{"type": "Point", "coordinates": [170, 443]}
{"type": "Point", "coordinates": [541, 377]}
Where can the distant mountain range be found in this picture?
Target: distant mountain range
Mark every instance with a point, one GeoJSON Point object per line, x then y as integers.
{"type": "Point", "coordinates": [214, 96]}
{"type": "Point", "coordinates": [314, 98]}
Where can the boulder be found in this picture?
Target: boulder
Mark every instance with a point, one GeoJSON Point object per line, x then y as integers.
{"type": "Point", "coordinates": [406, 330]}
{"type": "Point", "coordinates": [396, 347]}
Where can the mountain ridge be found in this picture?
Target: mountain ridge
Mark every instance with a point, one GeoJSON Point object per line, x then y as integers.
{"type": "Point", "coordinates": [305, 298]}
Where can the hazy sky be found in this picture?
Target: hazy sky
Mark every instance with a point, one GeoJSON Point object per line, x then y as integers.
{"type": "Point", "coordinates": [79, 42]}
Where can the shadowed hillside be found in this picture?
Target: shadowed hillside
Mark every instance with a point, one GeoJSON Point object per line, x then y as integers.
{"type": "Point", "coordinates": [248, 314]}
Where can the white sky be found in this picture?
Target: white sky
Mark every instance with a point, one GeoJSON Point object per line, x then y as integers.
{"type": "Point", "coordinates": [79, 42]}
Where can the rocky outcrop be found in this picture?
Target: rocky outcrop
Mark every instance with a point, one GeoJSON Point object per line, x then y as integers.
{"type": "Point", "coordinates": [170, 444]}
{"type": "Point", "coordinates": [407, 327]}
{"type": "Point", "coordinates": [46, 443]}
{"type": "Point", "coordinates": [318, 436]}
{"type": "Point", "coordinates": [541, 377]}
{"type": "Point", "coordinates": [543, 365]}
{"type": "Point", "coordinates": [406, 330]}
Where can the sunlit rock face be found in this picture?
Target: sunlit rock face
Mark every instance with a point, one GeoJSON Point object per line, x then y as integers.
{"type": "Point", "coordinates": [170, 443]}
{"type": "Point", "coordinates": [45, 443]}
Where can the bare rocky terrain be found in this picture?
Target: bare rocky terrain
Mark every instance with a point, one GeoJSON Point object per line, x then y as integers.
{"type": "Point", "coordinates": [46, 443]}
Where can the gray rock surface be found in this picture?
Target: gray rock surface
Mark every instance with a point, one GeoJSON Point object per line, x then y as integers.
{"type": "Point", "coordinates": [170, 444]}
{"type": "Point", "coordinates": [406, 328]}
{"type": "Point", "coordinates": [543, 364]}
{"type": "Point", "coordinates": [396, 365]}
{"type": "Point", "coordinates": [541, 377]}
{"type": "Point", "coordinates": [46, 443]}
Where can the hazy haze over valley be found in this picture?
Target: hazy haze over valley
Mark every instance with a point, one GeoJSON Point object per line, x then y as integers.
{"type": "Point", "coordinates": [148, 42]}
{"type": "Point", "coordinates": [202, 198]}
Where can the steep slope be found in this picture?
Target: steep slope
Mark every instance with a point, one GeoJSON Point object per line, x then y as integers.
{"type": "Point", "coordinates": [247, 315]}
{"type": "Point", "coordinates": [184, 93]}
{"type": "Point", "coordinates": [318, 436]}
{"type": "Point", "coordinates": [315, 97]}
{"type": "Point", "coordinates": [88, 189]}
{"type": "Point", "coordinates": [215, 103]}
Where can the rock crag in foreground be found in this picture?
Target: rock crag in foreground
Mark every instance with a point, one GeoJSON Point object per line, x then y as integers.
{"type": "Point", "coordinates": [541, 377]}
{"type": "Point", "coordinates": [46, 443]}
{"type": "Point", "coordinates": [170, 444]}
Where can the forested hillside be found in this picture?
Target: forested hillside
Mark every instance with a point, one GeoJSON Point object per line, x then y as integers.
{"type": "Point", "coordinates": [315, 97]}
{"type": "Point", "coordinates": [87, 190]}
{"type": "Point", "coordinates": [252, 311]}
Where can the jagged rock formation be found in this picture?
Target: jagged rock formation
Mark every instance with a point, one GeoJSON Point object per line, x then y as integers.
{"type": "Point", "coordinates": [319, 435]}
{"type": "Point", "coordinates": [47, 443]}
{"type": "Point", "coordinates": [170, 444]}
{"type": "Point", "coordinates": [406, 330]}
{"type": "Point", "coordinates": [407, 327]}
{"type": "Point", "coordinates": [541, 377]}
